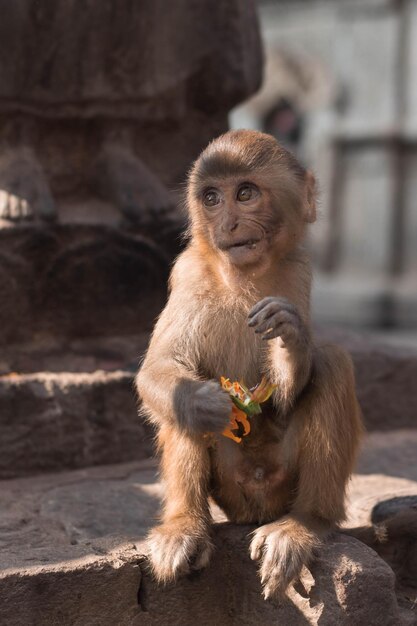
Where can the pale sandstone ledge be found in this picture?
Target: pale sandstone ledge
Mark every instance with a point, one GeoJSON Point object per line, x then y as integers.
{"type": "Point", "coordinates": [56, 421]}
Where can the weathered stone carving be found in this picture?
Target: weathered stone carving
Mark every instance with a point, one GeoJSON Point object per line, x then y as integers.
{"type": "Point", "coordinates": [79, 281]}
{"type": "Point", "coordinates": [90, 94]}
{"type": "Point", "coordinates": [103, 106]}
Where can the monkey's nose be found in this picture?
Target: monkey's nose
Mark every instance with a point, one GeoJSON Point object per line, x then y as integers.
{"type": "Point", "coordinates": [230, 224]}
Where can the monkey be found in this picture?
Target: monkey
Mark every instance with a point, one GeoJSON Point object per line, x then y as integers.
{"type": "Point", "coordinates": [238, 306]}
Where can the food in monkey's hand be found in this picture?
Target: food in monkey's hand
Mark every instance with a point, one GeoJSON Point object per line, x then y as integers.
{"type": "Point", "coordinates": [246, 403]}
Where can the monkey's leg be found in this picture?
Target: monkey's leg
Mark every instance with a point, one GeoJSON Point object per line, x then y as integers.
{"type": "Point", "coordinates": [323, 435]}
{"type": "Point", "coordinates": [182, 542]}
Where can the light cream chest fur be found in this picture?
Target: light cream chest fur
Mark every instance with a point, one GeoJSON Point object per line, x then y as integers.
{"type": "Point", "coordinates": [227, 346]}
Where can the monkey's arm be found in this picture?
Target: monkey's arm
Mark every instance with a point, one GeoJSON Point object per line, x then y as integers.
{"type": "Point", "coordinates": [290, 350]}
{"type": "Point", "coordinates": [168, 383]}
{"type": "Point", "coordinates": [183, 407]}
{"type": "Point", "coordinates": [321, 444]}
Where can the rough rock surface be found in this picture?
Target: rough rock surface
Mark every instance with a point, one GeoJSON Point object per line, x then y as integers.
{"type": "Point", "coordinates": [386, 482]}
{"type": "Point", "coordinates": [56, 421]}
{"type": "Point", "coordinates": [72, 552]}
{"type": "Point", "coordinates": [125, 59]}
{"type": "Point", "coordinates": [107, 105]}
{"type": "Point", "coordinates": [71, 544]}
{"type": "Point", "coordinates": [63, 421]}
{"type": "Point", "coordinates": [85, 355]}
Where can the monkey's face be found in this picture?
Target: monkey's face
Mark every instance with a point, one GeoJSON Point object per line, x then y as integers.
{"type": "Point", "coordinates": [240, 220]}
{"type": "Point", "coordinates": [249, 198]}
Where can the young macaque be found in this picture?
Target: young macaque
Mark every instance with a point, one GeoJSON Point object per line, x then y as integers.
{"type": "Point", "coordinates": [239, 308]}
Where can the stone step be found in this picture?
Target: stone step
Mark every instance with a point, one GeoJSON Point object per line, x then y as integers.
{"type": "Point", "coordinates": [86, 355]}
{"type": "Point", "coordinates": [54, 421]}
{"type": "Point", "coordinates": [72, 552]}
{"type": "Point", "coordinates": [80, 409]}
{"type": "Point", "coordinates": [76, 415]}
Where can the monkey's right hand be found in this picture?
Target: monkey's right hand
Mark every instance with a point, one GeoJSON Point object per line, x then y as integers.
{"type": "Point", "coordinates": [202, 407]}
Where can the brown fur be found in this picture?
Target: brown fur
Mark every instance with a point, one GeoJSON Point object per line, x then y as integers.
{"type": "Point", "coordinates": [290, 473]}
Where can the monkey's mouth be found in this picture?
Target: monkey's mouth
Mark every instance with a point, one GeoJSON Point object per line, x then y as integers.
{"type": "Point", "coordinates": [243, 243]}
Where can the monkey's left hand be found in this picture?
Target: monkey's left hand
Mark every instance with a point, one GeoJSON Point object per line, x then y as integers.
{"type": "Point", "coordinates": [277, 317]}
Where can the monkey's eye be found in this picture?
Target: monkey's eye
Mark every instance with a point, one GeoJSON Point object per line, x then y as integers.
{"type": "Point", "coordinates": [211, 197]}
{"type": "Point", "coordinates": [247, 192]}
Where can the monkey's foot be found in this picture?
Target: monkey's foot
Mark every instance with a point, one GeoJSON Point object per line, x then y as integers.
{"type": "Point", "coordinates": [24, 191]}
{"type": "Point", "coordinates": [282, 548]}
{"type": "Point", "coordinates": [177, 548]}
{"type": "Point", "coordinates": [124, 180]}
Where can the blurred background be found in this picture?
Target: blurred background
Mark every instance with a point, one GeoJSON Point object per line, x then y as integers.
{"type": "Point", "coordinates": [104, 105]}
{"type": "Point", "coordinates": [340, 90]}
{"type": "Point", "coordinates": [101, 118]}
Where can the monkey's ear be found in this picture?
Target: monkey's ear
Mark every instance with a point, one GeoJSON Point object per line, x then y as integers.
{"type": "Point", "coordinates": [309, 198]}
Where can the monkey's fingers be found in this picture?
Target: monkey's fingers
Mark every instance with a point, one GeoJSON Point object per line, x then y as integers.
{"type": "Point", "coordinates": [215, 416]}
{"type": "Point", "coordinates": [263, 315]}
{"type": "Point", "coordinates": [278, 318]}
{"type": "Point", "coordinates": [276, 313]}
{"type": "Point", "coordinates": [275, 302]}
{"type": "Point", "coordinates": [260, 305]}
{"type": "Point", "coordinates": [215, 424]}
{"type": "Point", "coordinates": [257, 544]}
{"type": "Point", "coordinates": [287, 332]}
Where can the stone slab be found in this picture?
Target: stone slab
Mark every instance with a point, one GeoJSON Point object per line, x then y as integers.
{"type": "Point", "coordinates": [74, 356]}
{"type": "Point", "coordinates": [72, 552]}
{"type": "Point", "coordinates": [55, 517]}
{"type": "Point", "coordinates": [386, 469]}
{"type": "Point", "coordinates": [53, 421]}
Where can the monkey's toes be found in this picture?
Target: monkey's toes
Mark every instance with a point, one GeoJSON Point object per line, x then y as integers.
{"type": "Point", "coordinates": [275, 575]}
{"type": "Point", "coordinates": [174, 553]}
{"type": "Point", "coordinates": [203, 556]}
{"type": "Point", "coordinates": [257, 544]}
{"type": "Point", "coordinates": [280, 555]}
{"type": "Point", "coordinates": [274, 587]}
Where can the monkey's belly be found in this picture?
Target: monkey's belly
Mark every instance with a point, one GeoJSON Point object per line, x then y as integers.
{"type": "Point", "coordinates": [251, 485]}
